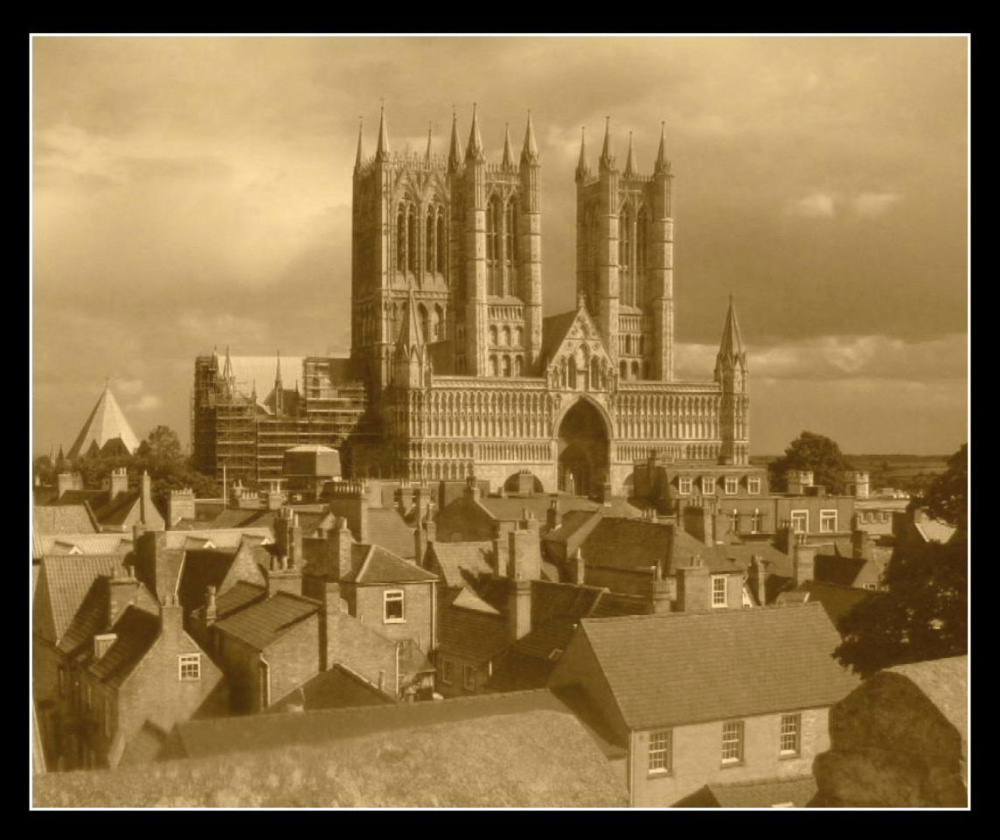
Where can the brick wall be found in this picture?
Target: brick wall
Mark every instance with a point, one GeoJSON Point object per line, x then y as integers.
{"type": "Point", "coordinates": [417, 611]}
{"type": "Point", "coordinates": [294, 658]}
{"type": "Point", "coordinates": [464, 521]}
{"type": "Point", "coordinates": [697, 757]}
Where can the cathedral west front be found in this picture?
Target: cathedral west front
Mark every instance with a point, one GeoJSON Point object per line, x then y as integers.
{"type": "Point", "coordinates": [461, 372]}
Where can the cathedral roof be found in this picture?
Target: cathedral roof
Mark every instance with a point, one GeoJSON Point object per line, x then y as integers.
{"type": "Point", "coordinates": [105, 424]}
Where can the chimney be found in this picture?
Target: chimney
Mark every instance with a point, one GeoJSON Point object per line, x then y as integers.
{"type": "Point", "coordinates": [180, 506]}
{"type": "Point", "coordinates": [860, 545]}
{"type": "Point", "coordinates": [283, 577]}
{"type": "Point", "coordinates": [472, 489]}
{"type": "Point", "coordinates": [329, 653]}
{"type": "Point", "coordinates": [553, 516]}
{"type": "Point", "coordinates": [421, 500]}
{"type": "Point", "coordinates": [146, 508]}
{"type": "Point", "coordinates": [577, 568]}
{"type": "Point", "coordinates": [519, 609]}
{"type": "Point", "coordinates": [273, 498]}
{"type": "Point", "coordinates": [783, 537]}
{"type": "Point", "coordinates": [294, 545]}
{"type": "Point", "coordinates": [171, 618]}
{"type": "Point", "coordinates": [211, 611]}
{"type": "Point", "coordinates": [694, 587]}
{"type": "Point", "coordinates": [119, 481]}
{"type": "Point", "coordinates": [424, 534]}
{"type": "Point", "coordinates": [661, 592]}
{"type": "Point", "coordinates": [525, 556]}
{"type": "Point", "coordinates": [102, 642]}
{"type": "Point", "coordinates": [803, 561]}
{"type": "Point", "coordinates": [699, 523]}
{"type": "Point", "coordinates": [341, 543]}
{"type": "Point", "coordinates": [69, 481]}
{"type": "Point", "coordinates": [121, 590]}
{"type": "Point", "coordinates": [757, 579]}
{"type": "Point", "coordinates": [501, 551]}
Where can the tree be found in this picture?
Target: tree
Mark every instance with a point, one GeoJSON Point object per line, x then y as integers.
{"type": "Point", "coordinates": [161, 446]}
{"type": "Point", "coordinates": [947, 496]}
{"type": "Point", "coordinates": [814, 452]}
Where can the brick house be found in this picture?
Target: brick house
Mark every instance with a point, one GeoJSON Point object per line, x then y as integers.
{"type": "Point", "coordinates": [700, 698]}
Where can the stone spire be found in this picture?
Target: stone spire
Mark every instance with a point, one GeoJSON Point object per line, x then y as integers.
{"type": "Point", "coordinates": [508, 161]}
{"type": "Point", "coordinates": [607, 161]}
{"type": "Point", "coordinates": [382, 152]}
{"type": "Point", "coordinates": [455, 154]}
{"type": "Point", "coordinates": [662, 164]}
{"type": "Point", "coordinates": [629, 161]}
{"type": "Point", "coordinates": [361, 132]}
{"type": "Point", "coordinates": [279, 388]}
{"type": "Point", "coordinates": [475, 150]}
{"type": "Point", "coordinates": [731, 348]}
{"type": "Point", "coordinates": [227, 367]}
{"type": "Point", "coordinates": [582, 170]}
{"type": "Point", "coordinates": [530, 151]}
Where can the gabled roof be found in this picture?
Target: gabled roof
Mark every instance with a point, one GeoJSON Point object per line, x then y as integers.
{"type": "Point", "coordinates": [386, 528]}
{"type": "Point", "coordinates": [382, 566]}
{"type": "Point", "coordinates": [668, 670]}
{"type": "Point", "coordinates": [336, 688]}
{"type": "Point", "coordinates": [471, 634]}
{"type": "Point", "coordinates": [136, 630]}
{"type": "Point", "coordinates": [64, 519]}
{"type": "Point", "coordinates": [462, 563]}
{"type": "Point", "coordinates": [63, 584]}
{"type": "Point", "coordinates": [554, 330]}
{"type": "Point", "coordinates": [221, 538]}
{"type": "Point", "coordinates": [238, 596]}
{"type": "Point", "coordinates": [116, 511]}
{"type": "Point", "coordinates": [468, 600]}
{"type": "Point", "coordinates": [105, 423]}
{"type": "Point", "coordinates": [765, 793]}
{"type": "Point", "coordinates": [202, 568]}
{"type": "Point", "coordinates": [838, 601]}
{"type": "Point", "coordinates": [87, 543]}
{"type": "Point", "coordinates": [262, 624]}
{"type": "Point", "coordinates": [216, 517]}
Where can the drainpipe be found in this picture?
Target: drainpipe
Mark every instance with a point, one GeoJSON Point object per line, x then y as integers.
{"type": "Point", "coordinates": [397, 669]}
{"type": "Point", "coordinates": [266, 668]}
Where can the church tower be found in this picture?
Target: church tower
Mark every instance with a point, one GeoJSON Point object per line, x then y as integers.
{"type": "Point", "coordinates": [731, 374]}
{"type": "Point", "coordinates": [625, 259]}
{"type": "Point", "coordinates": [458, 236]}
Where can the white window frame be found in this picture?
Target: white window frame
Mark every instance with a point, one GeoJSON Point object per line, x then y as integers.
{"type": "Point", "coordinates": [468, 678]}
{"type": "Point", "coordinates": [394, 596]}
{"type": "Point", "coordinates": [797, 516]}
{"type": "Point", "coordinates": [756, 521]}
{"type": "Point", "coordinates": [824, 518]}
{"type": "Point", "coordinates": [708, 485]}
{"type": "Point", "coordinates": [753, 485]}
{"type": "Point", "coordinates": [685, 485]}
{"type": "Point", "coordinates": [731, 481]}
{"type": "Point", "coordinates": [716, 592]}
{"type": "Point", "coordinates": [790, 738]}
{"type": "Point", "coordinates": [732, 742]}
{"type": "Point", "coordinates": [660, 757]}
{"type": "Point", "coordinates": [189, 667]}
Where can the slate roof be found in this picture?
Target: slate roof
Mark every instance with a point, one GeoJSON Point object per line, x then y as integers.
{"type": "Point", "coordinates": [136, 630]}
{"type": "Point", "coordinates": [386, 528]}
{"type": "Point", "coordinates": [116, 511]}
{"type": "Point", "coordinates": [462, 562]}
{"type": "Point", "coordinates": [87, 543]}
{"type": "Point", "coordinates": [554, 330]}
{"type": "Point", "coordinates": [836, 569]}
{"type": "Point", "coordinates": [105, 423]}
{"type": "Point", "coordinates": [221, 538]}
{"type": "Point", "coordinates": [335, 688]}
{"type": "Point", "coordinates": [472, 634]}
{"type": "Point", "coordinates": [512, 508]}
{"type": "Point", "coordinates": [838, 601]}
{"type": "Point", "coordinates": [64, 519]}
{"type": "Point", "coordinates": [382, 566]}
{"type": "Point", "coordinates": [253, 732]}
{"type": "Point", "coordinates": [261, 624]}
{"type": "Point", "coordinates": [691, 667]}
{"type": "Point", "coordinates": [467, 599]}
{"type": "Point", "coordinates": [765, 793]}
{"type": "Point", "coordinates": [238, 596]}
{"type": "Point", "coordinates": [63, 585]}
{"type": "Point", "coordinates": [226, 518]}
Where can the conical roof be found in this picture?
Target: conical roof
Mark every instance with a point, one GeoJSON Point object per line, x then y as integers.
{"type": "Point", "coordinates": [105, 423]}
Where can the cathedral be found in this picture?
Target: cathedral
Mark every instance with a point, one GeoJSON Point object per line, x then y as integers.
{"type": "Point", "coordinates": [461, 372]}
{"type": "Point", "coordinates": [465, 373]}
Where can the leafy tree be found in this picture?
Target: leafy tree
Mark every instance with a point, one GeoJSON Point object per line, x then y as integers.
{"type": "Point", "coordinates": [947, 496]}
{"type": "Point", "coordinates": [924, 614]}
{"type": "Point", "coordinates": [814, 452]}
{"type": "Point", "coordinates": [162, 446]}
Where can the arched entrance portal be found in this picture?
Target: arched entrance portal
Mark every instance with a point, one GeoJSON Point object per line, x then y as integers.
{"type": "Point", "coordinates": [583, 450]}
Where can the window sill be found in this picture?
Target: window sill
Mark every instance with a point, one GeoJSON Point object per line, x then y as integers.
{"type": "Point", "coordinates": [734, 763]}
{"type": "Point", "coordinates": [394, 621]}
{"type": "Point", "coordinates": [786, 756]}
{"type": "Point", "coordinates": [659, 774]}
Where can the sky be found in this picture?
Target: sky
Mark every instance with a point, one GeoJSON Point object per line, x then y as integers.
{"type": "Point", "coordinates": [195, 192]}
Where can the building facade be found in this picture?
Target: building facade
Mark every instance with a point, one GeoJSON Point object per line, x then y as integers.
{"type": "Point", "coordinates": [461, 372]}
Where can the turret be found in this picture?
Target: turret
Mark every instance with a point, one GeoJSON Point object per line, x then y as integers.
{"type": "Point", "coordinates": [279, 391]}
{"type": "Point", "coordinates": [731, 374]}
{"type": "Point", "coordinates": [530, 248]}
{"type": "Point", "coordinates": [382, 151]}
{"type": "Point", "coordinates": [455, 153]}
{"type": "Point", "coordinates": [582, 169]}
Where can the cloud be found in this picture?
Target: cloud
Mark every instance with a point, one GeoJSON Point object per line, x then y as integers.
{"type": "Point", "coordinates": [148, 403]}
{"type": "Point", "coordinates": [817, 204]}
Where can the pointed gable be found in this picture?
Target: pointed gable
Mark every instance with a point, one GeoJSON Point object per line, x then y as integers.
{"type": "Point", "coordinates": [105, 425]}
{"type": "Point", "coordinates": [573, 335]}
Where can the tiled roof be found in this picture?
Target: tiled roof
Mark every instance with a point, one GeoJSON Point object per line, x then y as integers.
{"type": "Point", "coordinates": [63, 584]}
{"type": "Point", "coordinates": [163, 576]}
{"type": "Point", "coordinates": [63, 519]}
{"type": "Point", "coordinates": [387, 529]}
{"type": "Point", "coordinates": [202, 568]}
{"type": "Point", "coordinates": [336, 688]}
{"type": "Point", "coordinates": [571, 523]}
{"type": "Point", "coordinates": [686, 668]}
{"type": "Point", "coordinates": [543, 642]}
{"type": "Point", "coordinates": [512, 508]}
{"type": "Point", "coordinates": [765, 793]}
{"type": "Point", "coordinates": [238, 596]}
{"type": "Point", "coordinates": [382, 566]}
{"type": "Point", "coordinates": [838, 601]}
{"type": "Point", "coordinates": [255, 732]}
{"type": "Point", "coordinates": [116, 511]}
{"type": "Point", "coordinates": [462, 562]}
{"type": "Point", "coordinates": [262, 624]}
{"type": "Point", "coordinates": [229, 518]}
{"type": "Point", "coordinates": [633, 544]}
{"type": "Point", "coordinates": [221, 538]}
{"type": "Point", "coordinates": [90, 619]}
{"type": "Point", "coordinates": [88, 543]}
{"type": "Point", "coordinates": [551, 601]}
{"type": "Point", "coordinates": [843, 571]}
{"type": "Point", "coordinates": [471, 634]}
{"type": "Point", "coordinates": [136, 630]}
{"type": "Point", "coordinates": [468, 600]}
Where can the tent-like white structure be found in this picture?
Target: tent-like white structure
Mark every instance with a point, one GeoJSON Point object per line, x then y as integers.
{"type": "Point", "coordinates": [106, 430]}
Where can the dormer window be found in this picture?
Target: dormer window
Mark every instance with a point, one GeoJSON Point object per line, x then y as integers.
{"type": "Point", "coordinates": [708, 485]}
{"type": "Point", "coordinates": [753, 486]}
{"type": "Point", "coordinates": [684, 486]}
{"type": "Point", "coordinates": [732, 485]}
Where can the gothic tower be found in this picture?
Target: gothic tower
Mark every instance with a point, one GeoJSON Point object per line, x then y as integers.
{"type": "Point", "coordinates": [462, 237]}
{"type": "Point", "coordinates": [731, 374]}
{"type": "Point", "coordinates": [625, 259]}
